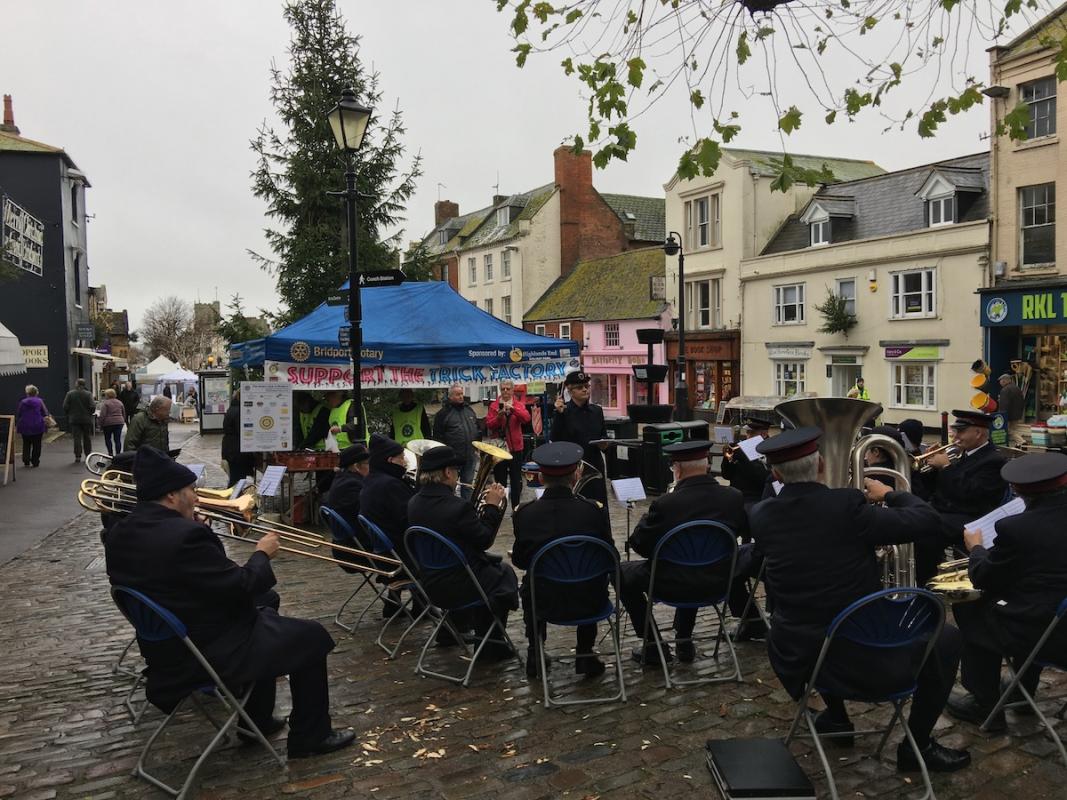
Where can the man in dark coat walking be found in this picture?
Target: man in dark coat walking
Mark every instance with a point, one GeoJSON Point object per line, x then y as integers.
{"type": "Point", "coordinates": [78, 405]}
{"type": "Point", "coordinates": [1023, 576]}
{"type": "Point", "coordinates": [556, 514]}
{"type": "Point", "coordinates": [160, 549]}
{"type": "Point", "coordinates": [436, 507]}
{"type": "Point", "coordinates": [696, 496]}
{"type": "Point", "coordinates": [819, 546]}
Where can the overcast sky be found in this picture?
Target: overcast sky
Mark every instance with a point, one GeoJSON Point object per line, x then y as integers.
{"type": "Point", "coordinates": [156, 102]}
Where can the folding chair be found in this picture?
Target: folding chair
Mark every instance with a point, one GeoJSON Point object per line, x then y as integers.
{"type": "Point", "coordinates": [890, 619]}
{"type": "Point", "coordinates": [156, 624]}
{"type": "Point", "coordinates": [697, 544]}
{"type": "Point", "coordinates": [432, 552]}
{"type": "Point", "coordinates": [344, 535]}
{"type": "Point", "coordinates": [570, 560]}
{"type": "Point", "coordinates": [380, 544]}
{"type": "Point", "coordinates": [1016, 681]}
{"type": "Point", "coordinates": [136, 682]}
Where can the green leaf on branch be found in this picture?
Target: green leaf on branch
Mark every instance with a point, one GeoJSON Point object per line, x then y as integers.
{"type": "Point", "coordinates": [636, 72]}
{"type": "Point", "coordinates": [1014, 123]}
{"type": "Point", "coordinates": [790, 120]}
{"type": "Point", "coordinates": [708, 156]}
{"type": "Point", "coordinates": [568, 66]}
{"type": "Point", "coordinates": [831, 118]}
{"type": "Point", "coordinates": [696, 97]}
{"type": "Point", "coordinates": [573, 16]}
{"type": "Point", "coordinates": [522, 50]}
{"type": "Point", "coordinates": [542, 11]}
{"type": "Point", "coordinates": [932, 118]}
{"type": "Point", "coordinates": [727, 131]}
{"type": "Point", "coordinates": [743, 50]}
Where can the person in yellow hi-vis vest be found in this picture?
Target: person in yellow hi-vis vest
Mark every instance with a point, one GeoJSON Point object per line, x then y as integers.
{"type": "Point", "coordinates": [339, 407]}
{"type": "Point", "coordinates": [858, 391]}
{"type": "Point", "coordinates": [313, 421]}
{"type": "Point", "coordinates": [409, 419]}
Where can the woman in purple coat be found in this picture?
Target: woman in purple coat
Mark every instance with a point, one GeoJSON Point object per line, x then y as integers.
{"type": "Point", "coordinates": [30, 423]}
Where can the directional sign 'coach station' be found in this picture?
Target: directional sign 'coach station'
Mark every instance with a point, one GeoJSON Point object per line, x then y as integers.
{"type": "Point", "coordinates": [367, 280]}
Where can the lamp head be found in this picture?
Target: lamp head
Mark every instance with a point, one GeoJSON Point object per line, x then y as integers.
{"type": "Point", "coordinates": [349, 121]}
{"type": "Point", "coordinates": [671, 246]}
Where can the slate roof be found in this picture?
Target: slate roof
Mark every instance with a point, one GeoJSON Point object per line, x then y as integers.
{"type": "Point", "coordinates": [458, 228]}
{"type": "Point", "coordinates": [616, 287]}
{"type": "Point", "coordinates": [888, 204]}
{"type": "Point", "coordinates": [529, 202]}
{"type": "Point", "coordinates": [648, 214]}
{"type": "Point", "coordinates": [11, 142]}
{"type": "Point", "coordinates": [844, 169]}
{"type": "Point", "coordinates": [1053, 25]}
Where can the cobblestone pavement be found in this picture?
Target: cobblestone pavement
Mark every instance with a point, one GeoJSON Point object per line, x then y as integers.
{"type": "Point", "coordinates": [64, 731]}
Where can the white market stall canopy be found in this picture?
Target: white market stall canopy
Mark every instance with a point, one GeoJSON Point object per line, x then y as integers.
{"type": "Point", "coordinates": [415, 335]}
{"type": "Point", "coordinates": [11, 360]}
{"type": "Point", "coordinates": [158, 366]}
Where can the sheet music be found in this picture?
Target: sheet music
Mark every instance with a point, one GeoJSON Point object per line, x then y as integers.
{"type": "Point", "coordinates": [748, 447]}
{"type": "Point", "coordinates": [238, 488]}
{"type": "Point", "coordinates": [722, 434]}
{"type": "Point", "coordinates": [271, 482]}
{"type": "Point", "coordinates": [627, 489]}
{"type": "Point", "coordinates": [197, 470]}
{"type": "Point", "coordinates": [987, 524]}
{"type": "Point", "coordinates": [777, 486]}
{"type": "Point", "coordinates": [538, 491]}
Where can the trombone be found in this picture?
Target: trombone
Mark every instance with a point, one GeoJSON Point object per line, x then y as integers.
{"type": "Point", "coordinates": [920, 463]}
{"type": "Point", "coordinates": [118, 497]}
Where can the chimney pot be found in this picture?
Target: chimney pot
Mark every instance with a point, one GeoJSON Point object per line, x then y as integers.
{"type": "Point", "coordinates": [499, 198]}
{"type": "Point", "coordinates": [444, 210]}
{"type": "Point", "coordinates": [9, 116]}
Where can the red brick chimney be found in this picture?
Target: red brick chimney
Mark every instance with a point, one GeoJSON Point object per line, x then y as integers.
{"type": "Point", "coordinates": [588, 226]}
{"type": "Point", "coordinates": [444, 210]}
{"type": "Point", "coordinates": [9, 116]}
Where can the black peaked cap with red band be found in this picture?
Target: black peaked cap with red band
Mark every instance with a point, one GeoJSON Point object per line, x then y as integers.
{"type": "Point", "coordinates": [558, 458]}
{"type": "Point", "coordinates": [790, 445]}
{"type": "Point", "coordinates": [693, 450]}
{"type": "Point", "coordinates": [1036, 473]}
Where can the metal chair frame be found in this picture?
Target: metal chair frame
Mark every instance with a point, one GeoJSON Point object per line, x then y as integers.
{"type": "Point", "coordinates": [1016, 683]}
{"type": "Point", "coordinates": [455, 560]}
{"type": "Point", "coordinates": [155, 623]}
{"type": "Point", "coordinates": [718, 603]}
{"type": "Point", "coordinates": [340, 528]}
{"type": "Point", "coordinates": [900, 595]}
{"type": "Point", "coordinates": [381, 544]}
{"type": "Point", "coordinates": [569, 547]}
{"type": "Point", "coordinates": [137, 677]}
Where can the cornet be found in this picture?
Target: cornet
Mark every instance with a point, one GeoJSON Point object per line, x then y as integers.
{"type": "Point", "coordinates": [921, 464]}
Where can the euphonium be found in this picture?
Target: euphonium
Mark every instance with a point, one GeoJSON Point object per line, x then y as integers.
{"type": "Point", "coordinates": [488, 457]}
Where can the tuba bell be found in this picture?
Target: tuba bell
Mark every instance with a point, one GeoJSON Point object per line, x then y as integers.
{"type": "Point", "coordinates": [841, 420]}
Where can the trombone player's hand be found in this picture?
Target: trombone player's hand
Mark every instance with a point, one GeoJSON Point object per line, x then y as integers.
{"type": "Point", "coordinates": [268, 544]}
{"type": "Point", "coordinates": [494, 494]}
{"type": "Point", "coordinates": [875, 491]}
{"type": "Point", "coordinates": [972, 538]}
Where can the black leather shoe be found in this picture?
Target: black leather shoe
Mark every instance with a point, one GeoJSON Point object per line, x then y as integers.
{"type": "Point", "coordinates": [335, 741]}
{"type": "Point", "coordinates": [825, 724]}
{"type": "Point", "coordinates": [533, 664]}
{"type": "Point", "coordinates": [647, 656]}
{"type": "Point", "coordinates": [496, 652]}
{"type": "Point", "coordinates": [269, 728]}
{"type": "Point", "coordinates": [1024, 709]}
{"type": "Point", "coordinates": [968, 708]}
{"type": "Point", "coordinates": [687, 652]}
{"type": "Point", "coordinates": [750, 630]}
{"type": "Point", "coordinates": [589, 665]}
{"type": "Point", "coordinates": [937, 758]}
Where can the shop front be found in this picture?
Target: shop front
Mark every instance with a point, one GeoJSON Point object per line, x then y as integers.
{"type": "Point", "coordinates": [713, 366]}
{"type": "Point", "coordinates": [1025, 328]}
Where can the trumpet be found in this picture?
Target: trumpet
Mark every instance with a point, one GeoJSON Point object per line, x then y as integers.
{"type": "Point", "coordinates": [119, 497]}
{"type": "Point", "coordinates": [729, 451]}
{"type": "Point", "coordinates": [921, 464]}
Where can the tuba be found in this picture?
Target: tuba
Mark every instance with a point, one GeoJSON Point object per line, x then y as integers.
{"type": "Point", "coordinates": [841, 420]}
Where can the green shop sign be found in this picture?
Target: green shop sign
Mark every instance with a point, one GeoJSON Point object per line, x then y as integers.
{"type": "Point", "coordinates": [1027, 307]}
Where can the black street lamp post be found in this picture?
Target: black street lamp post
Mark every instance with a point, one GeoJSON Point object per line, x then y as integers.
{"type": "Point", "coordinates": [349, 120]}
{"type": "Point", "coordinates": [673, 246]}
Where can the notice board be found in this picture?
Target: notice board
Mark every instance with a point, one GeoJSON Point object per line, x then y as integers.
{"type": "Point", "coordinates": [7, 445]}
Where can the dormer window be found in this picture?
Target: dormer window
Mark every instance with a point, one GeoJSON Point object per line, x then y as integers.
{"type": "Point", "coordinates": [503, 216]}
{"type": "Point", "coordinates": [820, 232]}
{"type": "Point", "coordinates": [442, 237]}
{"type": "Point", "coordinates": [941, 210]}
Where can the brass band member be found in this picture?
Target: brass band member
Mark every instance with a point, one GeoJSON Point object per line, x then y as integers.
{"type": "Point", "coordinates": [343, 496]}
{"type": "Point", "coordinates": [558, 513]}
{"type": "Point", "coordinates": [748, 476]}
{"type": "Point", "coordinates": [1023, 577]}
{"type": "Point", "coordinates": [581, 421]}
{"type": "Point", "coordinates": [161, 549]}
{"type": "Point", "coordinates": [696, 495]}
{"type": "Point", "coordinates": [819, 546]}
{"type": "Point", "coordinates": [961, 490]}
{"type": "Point", "coordinates": [436, 507]}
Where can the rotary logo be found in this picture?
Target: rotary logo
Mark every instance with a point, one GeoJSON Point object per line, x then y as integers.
{"type": "Point", "coordinates": [515, 355]}
{"type": "Point", "coordinates": [996, 309]}
{"type": "Point", "coordinates": [266, 423]}
{"type": "Point", "coordinates": [300, 351]}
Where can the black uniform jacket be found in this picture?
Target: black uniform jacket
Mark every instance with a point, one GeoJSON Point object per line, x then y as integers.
{"type": "Point", "coordinates": [437, 508]}
{"type": "Point", "coordinates": [748, 477]}
{"type": "Point", "coordinates": [556, 514]}
{"type": "Point", "coordinates": [1024, 574]}
{"type": "Point", "coordinates": [972, 486]}
{"type": "Point", "coordinates": [818, 546]}
{"type": "Point", "coordinates": [344, 497]}
{"type": "Point", "coordinates": [385, 499]}
{"type": "Point", "coordinates": [699, 497]}
{"type": "Point", "coordinates": [581, 425]}
{"type": "Point", "coordinates": [182, 565]}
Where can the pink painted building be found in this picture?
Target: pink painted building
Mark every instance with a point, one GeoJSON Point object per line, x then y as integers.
{"type": "Point", "coordinates": [602, 303]}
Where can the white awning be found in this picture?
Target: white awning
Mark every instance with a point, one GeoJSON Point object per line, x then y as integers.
{"type": "Point", "coordinates": [11, 361]}
{"type": "Point", "coordinates": [88, 353]}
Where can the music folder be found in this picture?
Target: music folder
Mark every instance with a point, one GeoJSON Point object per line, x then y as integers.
{"type": "Point", "coordinates": [757, 768]}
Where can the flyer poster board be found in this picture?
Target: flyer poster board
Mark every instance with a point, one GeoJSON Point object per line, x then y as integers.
{"type": "Point", "coordinates": [7, 445]}
{"type": "Point", "coordinates": [216, 397]}
{"type": "Point", "coordinates": [266, 416]}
